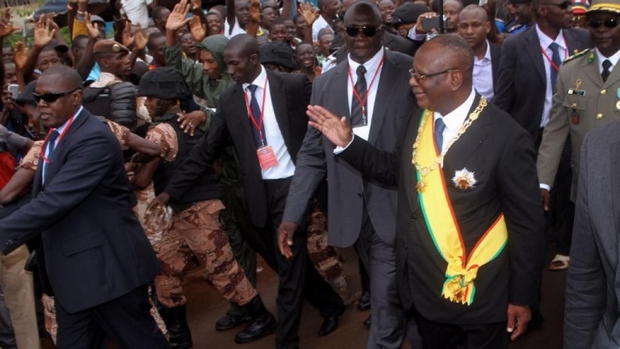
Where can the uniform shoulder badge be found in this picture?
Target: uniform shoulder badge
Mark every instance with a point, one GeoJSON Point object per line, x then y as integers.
{"type": "Point", "coordinates": [576, 55]}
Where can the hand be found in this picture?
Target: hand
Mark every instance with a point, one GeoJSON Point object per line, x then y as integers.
{"type": "Point", "coordinates": [127, 37]}
{"type": "Point", "coordinates": [419, 29]}
{"type": "Point", "coordinates": [518, 318]}
{"type": "Point", "coordinates": [6, 27]}
{"type": "Point", "coordinates": [546, 197]}
{"type": "Point", "coordinates": [53, 24]}
{"type": "Point", "coordinates": [140, 40]}
{"type": "Point", "coordinates": [93, 29]}
{"type": "Point", "coordinates": [255, 11]}
{"type": "Point", "coordinates": [196, 4]}
{"type": "Point", "coordinates": [197, 28]}
{"type": "Point", "coordinates": [337, 130]}
{"type": "Point", "coordinates": [178, 16]}
{"type": "Point", "coordinates": [159, 202]}
{"type": "Point", "coordinates": [189, 121]}
{"type": "Point", "coordinates": [43, 34]}
{"type": "Point", "coordinates": [308, 12]}
{"type": "Point", "coordinates": [285, 238]}
{"type": "Point", "coordinates": [20, 55]}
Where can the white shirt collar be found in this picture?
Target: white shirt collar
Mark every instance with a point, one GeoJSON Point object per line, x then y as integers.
{"type": "Point", "coordinates": [260, 79]}
{"type": "Point", "coordinates": [371, 65]}
{"type": "Point", "coordinates": [613, 59]}
{"type": "Point", "coordinates": [487, 54]}
{"type": "Point", "coordinates": [455, 119]}
{"type": "Point", "coordinates": [545, 40]}
{"type": "Point", "coordinates": [61, 129]}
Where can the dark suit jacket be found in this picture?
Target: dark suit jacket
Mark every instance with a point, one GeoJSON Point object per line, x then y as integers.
{"type": "Point", "coordinates": [94, 248]}
{"type": "Point", "coordinates": [289, 94]}
{"type": "Point", "coordinates": [522, 79]}
{"type": "Point", "coordinates": [501, 155]}
{"type": "Point", "coordinates": [392, 42]}
{"type": "Point", "coordinates": [591, 318]}
{"type": "Point", "coordinates": [496, 55]}
{"type": "Point", "coordinates": [347, 189]}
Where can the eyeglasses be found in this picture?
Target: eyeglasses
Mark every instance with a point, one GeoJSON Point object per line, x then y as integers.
{"type": "Point", "coordinates": [50, 97]}
{"type": "Point", "coordinates": [366, 30]}
{"type": "Point", "coordinates": [563, 5]}
{"type": "Point", "coordinates": [422, 77]}
{"type": "Point", "coordinates": [608, 23]}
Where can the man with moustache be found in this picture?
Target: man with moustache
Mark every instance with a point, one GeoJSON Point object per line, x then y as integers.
{"type": "Point", "coordinates": [469, 244]}
{"type": "Point", "coordinates": [370, 88]}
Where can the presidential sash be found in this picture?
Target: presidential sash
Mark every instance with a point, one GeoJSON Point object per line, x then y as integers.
{"type": "Point", "coordinates": [441, 221]}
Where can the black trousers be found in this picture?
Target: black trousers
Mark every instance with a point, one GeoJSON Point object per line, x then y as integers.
{"type": "Point", "coordinates": [445, 336]}
{"type": "Point", "coordinates": [125, 320]}
{"type": "Point", "coordinates": [298, 277]}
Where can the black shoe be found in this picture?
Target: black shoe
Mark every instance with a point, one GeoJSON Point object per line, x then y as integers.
{"type": "Point", "coordinates": [329, 325]}
{"type": "Point", "coordinates": [229, 321]}
{"type": "Point", "coordinates": [261, 324]}
{"type": "Point", "coordinates": [179, 334]}
{"type": "Point", "coordinates": [364, 302]}
{"type": "Point", "coordinates": [367, 322]}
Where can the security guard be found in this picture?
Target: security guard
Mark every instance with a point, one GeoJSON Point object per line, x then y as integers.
{"type": "Point", "coordinates": [587, 94]}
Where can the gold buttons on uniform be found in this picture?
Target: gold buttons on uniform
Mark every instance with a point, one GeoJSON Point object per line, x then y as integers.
{"type": "Point", "coordinates": [574, 105]}
{"type": "Point", "coordinates": [599, 116]}
{"type": "Point", "coordinates": [603, 91]}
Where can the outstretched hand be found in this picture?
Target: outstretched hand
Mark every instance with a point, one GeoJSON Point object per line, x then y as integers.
{"type": "Point", "coordinates": [43, 32]}
{"type": "Point", "coordinates": [6, 26]}
{"type": "Point", "coordinates": [336, 129]}
{"type": "Point", "coordinates": [178, 16]}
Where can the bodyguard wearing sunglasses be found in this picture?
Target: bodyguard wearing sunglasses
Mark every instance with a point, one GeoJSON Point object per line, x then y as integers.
{"type": "Point", "coordinates": [370, 88]}
{"type": "Point", "coordinates": [93, 255]}
{"type": "Point", "coordinates": [588, 97]}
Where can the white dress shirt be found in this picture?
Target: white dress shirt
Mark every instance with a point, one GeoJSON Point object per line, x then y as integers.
{"type": "Point", "coordinates": [455, 119]}
{"type": "Point", "coordinates": [613, 59]}
{"type": "Point", "coordinates": [545, 41]}
{"type": "Point", "coordinates": [483, 74]}
{"type": "Point", "coordinates": [60, 130]}
{"type": "Point", "coordinates": [273, 135]}
{"type": "Point", "coordinates": [236, 29]}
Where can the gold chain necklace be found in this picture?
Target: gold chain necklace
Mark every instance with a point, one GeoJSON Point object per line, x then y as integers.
{"type": "Point", "coordinates": [425, 170]}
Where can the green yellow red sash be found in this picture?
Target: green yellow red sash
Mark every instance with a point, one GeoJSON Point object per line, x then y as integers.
{"type": "Point", "coordinates": [443, 226]}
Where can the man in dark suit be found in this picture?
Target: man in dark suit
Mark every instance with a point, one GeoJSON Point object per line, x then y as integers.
{"type": "Point", "coordinates": [264, 117]}
{"type": "Point", "coordinates": [469, 245]}
{"type": "Point", "coordinates": [591, 314]}
{"type": "Point", "coordinates": [474, 26]}
{"type": "Point", "coordinates": [370, 88]}
{"type": "Point", "coordinates": [93, 253]}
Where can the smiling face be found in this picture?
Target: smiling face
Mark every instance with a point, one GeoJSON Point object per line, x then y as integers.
{"type": "Point", "coordinates": [188, 44]}
{"type": "Point", "coordinates": [431, 91]}
{"type": "Point", "coordinates": [214, 24]}
{"type": "Point", "coordinates": [386, 7]}
{"type": "Point", "coordinates": [305, 55]}
{"type": "Point", "coordinates": [278, 32]}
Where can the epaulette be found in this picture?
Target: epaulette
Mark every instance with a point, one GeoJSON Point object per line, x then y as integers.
{"type": "Point", "coordinates": [577, 55]}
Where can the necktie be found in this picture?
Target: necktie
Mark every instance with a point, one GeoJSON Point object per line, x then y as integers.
{"type": "Point", "coordinates": [256, 116]}
{"type": "Point", "coordinates": [439, 127]}
{"type": "Point", "coordinates": [606, 72]}
{"type": "Point", "coordinates": [555, 58]}
{"type": "Point", "coordinates": [358, 115]}
{"type": "Point", "coordinates": [51, 146]}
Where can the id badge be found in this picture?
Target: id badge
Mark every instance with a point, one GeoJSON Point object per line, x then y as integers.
{"type": "Point", "coordinates": [266, 158]}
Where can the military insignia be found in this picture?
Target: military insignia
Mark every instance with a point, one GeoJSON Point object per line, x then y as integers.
{"type": "Point", "coordinates": [577, 55]}
{"type": "Point", "coordinates": [591, 57]}
{"type": "Point", "coordinates": [116, 48]}
{"type": "Point", "coordinates": [464, 179]}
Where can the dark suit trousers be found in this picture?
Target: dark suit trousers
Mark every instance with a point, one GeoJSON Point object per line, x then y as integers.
{"type": "Point", "coordinates": [445, 336]}
{"type": "Point", "coordinates": [125, 320]}
{"type": "Point", "coordinates": [388, 316]}
{"type": "Point", "coordinates": [298, 277]}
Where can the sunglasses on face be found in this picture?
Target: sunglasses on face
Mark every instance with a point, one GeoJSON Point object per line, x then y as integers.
{"type": "Point", "coordinates": [366, 30]}
{"type": "Point", "coordinates": [563, 5]}
{"type": "Point", "coordinates": [50, 97]}
{"type": "Point", "coordinates": [608, 23]}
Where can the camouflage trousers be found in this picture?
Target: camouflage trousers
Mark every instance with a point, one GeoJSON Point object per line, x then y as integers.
{"type": "Point", "coordinates": [195, 235]}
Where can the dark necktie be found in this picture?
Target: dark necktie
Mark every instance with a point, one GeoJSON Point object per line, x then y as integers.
{"type": "Point", "coordinates": [257, 117]}
{"type": "Point", "coordinates": [357, 109]}
{"type": "Point", "coordinates": [439, 127]}
{"type": "Point", "coordinates": [606, 72]}
{"type": "Point", "coordinates": [51, 146]}
{"type": "Point", "coordinates": [555, 58]}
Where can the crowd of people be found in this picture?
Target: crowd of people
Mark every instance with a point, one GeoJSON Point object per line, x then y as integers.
{"type": "Point", "coordinates": [446, 142]}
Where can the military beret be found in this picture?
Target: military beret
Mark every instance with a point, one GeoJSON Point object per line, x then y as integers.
{"type": "Point", "coordinates": [408, 13]}
{"type": "Point", "coordinates": [109, 46]}
{"type": "Point", "coordinates": [164, 83]}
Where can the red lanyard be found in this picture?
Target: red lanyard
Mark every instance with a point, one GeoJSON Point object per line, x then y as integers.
{"type": "Point", "coordinates": [42, 151]}
{"type": "Point", "coordinates": [553, 65]}
{"type": "Point", "coordinates": [361, 100]}
{"type": "Point", "coordinates": [259, 124]}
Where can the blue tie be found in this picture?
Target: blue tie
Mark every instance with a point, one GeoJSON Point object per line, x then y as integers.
{"type": "Point", "coordinates": [51, 146]}
{"type": "Point", "coordinates": [555, 48]}
{"type": "Point", "coordinates": [256, 116]}
{"type": "Point", "coordinates": [439, 127]}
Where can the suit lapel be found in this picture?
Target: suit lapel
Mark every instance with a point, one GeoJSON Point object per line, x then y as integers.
{"type": "Point", "coordinates": [495, 57]}
{"type": "Point", "coordinates": [383, 97]}
{"type": "Point", "coordinates": [340, 80]}
{"type": "Point", "coordinates": [278, 100]}
{"type": "Point", "coordinates": [532, 46]}
{"type": "Point", "coordinates": [240, 110]}
{"type": "Point", "coordinates": [468, 143]}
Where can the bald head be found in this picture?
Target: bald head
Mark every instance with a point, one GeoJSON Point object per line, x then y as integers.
{"type": "Point", "coordinates": [69, 76]}
{"type": "Point", "coordinates": [461, 54]}
{"type": "Point", "coordinates": [243, 45]}
{"type": "Point", "coordinates": [363, 8]}
{"type": "Point", "coordinates": [475, 12]}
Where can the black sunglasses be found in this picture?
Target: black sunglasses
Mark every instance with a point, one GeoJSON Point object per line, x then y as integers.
{"type": "Point", "coordinates": [50, 97]}
{"type": "Point", "coordinates": [366, 30]}
{"type": "Point", "coordinates": [563, 5]}
{"type": "Point", "coordinates": [608, 23]}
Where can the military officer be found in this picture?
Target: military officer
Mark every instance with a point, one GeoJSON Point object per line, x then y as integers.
{"type": "Point", "coordinates": [587, 93]}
